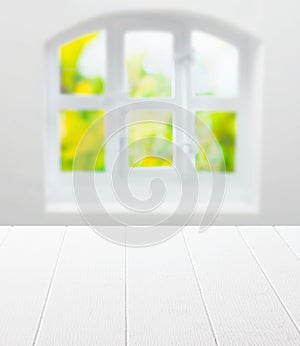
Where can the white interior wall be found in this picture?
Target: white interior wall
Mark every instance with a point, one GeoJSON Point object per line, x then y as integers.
{"type": "Point", "coordinates": [24, 29]}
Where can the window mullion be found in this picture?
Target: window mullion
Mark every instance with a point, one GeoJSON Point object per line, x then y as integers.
{"type": "Point", "coordinates": [115, 90]}
{"type": "Point", "coordinates": [182, 86]}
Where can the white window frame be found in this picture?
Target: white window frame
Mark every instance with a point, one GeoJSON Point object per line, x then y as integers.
{"type": "Point", "coordinates": [242, 193]}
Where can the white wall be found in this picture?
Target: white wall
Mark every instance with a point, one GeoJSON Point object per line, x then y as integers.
{"type": "Point", "coordinates": [25, 27]}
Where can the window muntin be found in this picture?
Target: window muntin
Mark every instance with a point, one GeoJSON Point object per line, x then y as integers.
{"type": "Point", "coordinates": [73, 125]}
{"type": "Point", "coordinates": [149, 63]}
{"type": "Point", "coordinates": [150, 136]}
{"type": "Point", "coordinates": [83, 64]}
{"type": "Point", "coordinates": [214, 70]}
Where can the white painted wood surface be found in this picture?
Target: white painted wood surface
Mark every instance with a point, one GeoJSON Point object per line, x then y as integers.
{"type": "Point", "coordinates": [291, 235]}
{"type": "Point", "coordinates": [164, 302]}
{"type": "Point", "coordinates": [226, 286]}
{"type": "Point", "coordinates": [279, 264]}
{"type": "Point", "coordinates": [27, 260]}
{"type": "Point", "coordinates": [87, 302]}
{"type": "Point", "coordinates": [242, 305]}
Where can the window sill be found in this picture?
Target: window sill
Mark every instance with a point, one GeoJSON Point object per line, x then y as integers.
{"type": "Point", "coordinates": [234, 202]}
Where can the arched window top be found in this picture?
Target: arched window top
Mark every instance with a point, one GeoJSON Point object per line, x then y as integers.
{"type": "Point", "coordinates": [161, 20]}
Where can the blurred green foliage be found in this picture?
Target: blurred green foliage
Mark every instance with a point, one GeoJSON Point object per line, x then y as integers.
{"type": "Point", "coordinates": [223, 127]}
{"type": "Point", "coordinates": [150, 142]}
{"type": "Point", "coordinates": [72, 81]}
{"type": "Point", "coordinates": [144, 84]}
{"type": "Point", "coordinates": [73, 125]}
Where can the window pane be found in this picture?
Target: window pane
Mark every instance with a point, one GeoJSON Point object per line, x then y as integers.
{"type": "Point", "coordinates": [215, 67]}
{"type": "Point", "coordinates": [82, 64]}
{"type": "Point", "coordinates": [73, 124]}
{"type": "Point", "coordinates": [150, 140]}
{"type": "Point", "coordinates": [223, 126]}
{"type": "Point", "coordinates": [149, 63]}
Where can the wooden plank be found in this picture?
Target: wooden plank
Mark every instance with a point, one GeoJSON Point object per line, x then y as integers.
{"type": "Point", "coordinates": [87, 301]}
{"type": "Point", "coordinates": [291, 235]}
{"type": "Point", "coordinates": [27, 260]}
{"type": "Point", "coordinates": [280, 265]}
{"type": "Point", "coordinates": [164, 302]}
{"type": "Point", "coordinates": [243, 307]}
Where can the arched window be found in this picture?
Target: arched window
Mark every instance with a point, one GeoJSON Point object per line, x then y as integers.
{"type": "Point", "coordinates": [197, 63]}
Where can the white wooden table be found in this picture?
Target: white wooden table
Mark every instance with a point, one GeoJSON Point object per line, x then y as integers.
{"type": "Point", "coordinates": [227, 286]}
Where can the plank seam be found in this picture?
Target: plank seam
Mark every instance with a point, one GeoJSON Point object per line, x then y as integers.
{"type": "Point", "coordinates": [35, 338]}
{"type": "Point", "coordinates": [5, 236]}
{"type": "Point", "coordinates": [200, 289]}
{"type": "Point", "coordinates": [287, 243]}
{"type": "Point", "coordinates": [268, 280]}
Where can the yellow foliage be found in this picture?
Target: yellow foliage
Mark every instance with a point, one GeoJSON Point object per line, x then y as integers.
{"type": "Point", "coordinates": [73, 127]}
